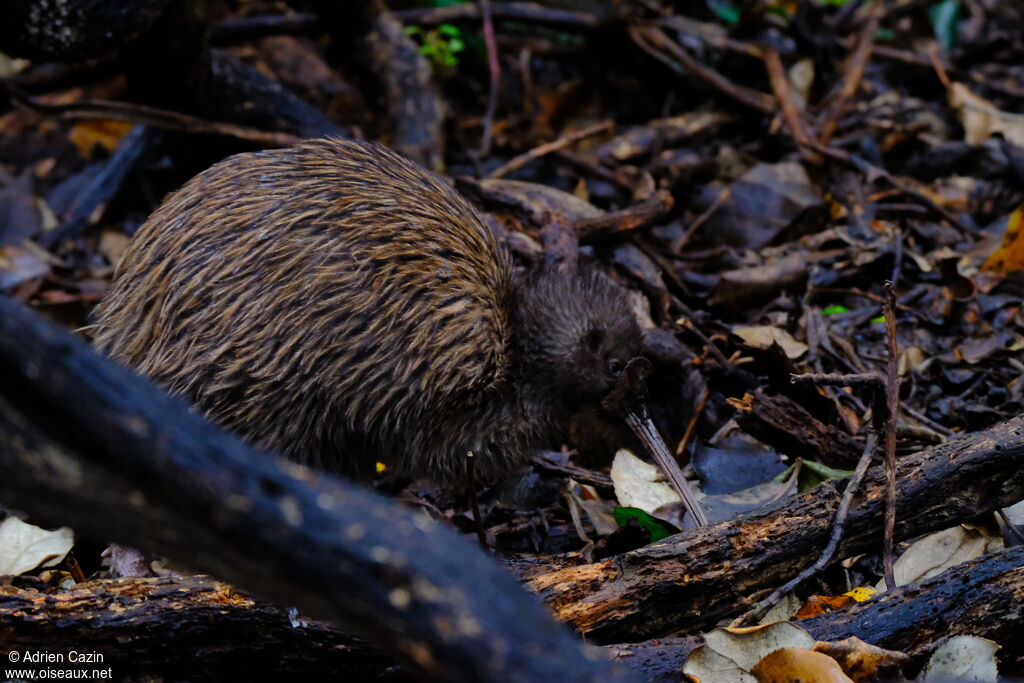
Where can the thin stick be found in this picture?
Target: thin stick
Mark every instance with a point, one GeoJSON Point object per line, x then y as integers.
{"type": "Point", "coordinates": [151, 116]}
{"type": "Point", "coordinates": [780, 86]}
{"type": "Point", "coordinates": [618, 223]}
{"type": "Point", "coordinates": [823, 561]}
{"type": "Point", "coordinates": [520, 11]}
{"type": "Point", "coordinates": [702, 219]}
{"type": "Point", "coordinates": [832, 380]}
{"type": "Point", "coordinates": [901, 184]}
{"type": "Point", "coordinates": [940, 70]}
{"type": "Point", "coordinates": [654, 42]}
{"type": "Point", "coordinates": [684, 442]}
{"type": "Point", "coordinates": [892, 400]}
{"type": "Point", "coordinates": [855, 67]}
{"type": "Point", "coordinates": [494, 66]}
{"type": "Point", "coordinates": [518, 162]}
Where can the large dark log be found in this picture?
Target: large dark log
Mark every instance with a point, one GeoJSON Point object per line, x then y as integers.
{"type": "Point", "coordinates": [86, 442]}
{"type": "Point", "coordinates": [689, 582]}
{"type": "Point", "coordinates": [983, 597]}
{"type": "Point", "coordinates": [153, 628]}
{"type": "Point", "coordinates": [979, 598]}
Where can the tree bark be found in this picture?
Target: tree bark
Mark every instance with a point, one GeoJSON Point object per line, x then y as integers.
{"type": "Point", "coordinates": [147, 628]}
{"type": "Point", "coordinates": [980, 598]}
{"type": "Point", "coordinates": [84, 441]}
{"type": "Point", "coordinates": [689, 582]}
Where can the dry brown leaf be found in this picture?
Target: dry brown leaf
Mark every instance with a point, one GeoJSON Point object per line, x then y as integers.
{"type": "Point", "coordinates": [88, 135]}
{"type": "Point", "coordinates": [859, 660]}
{"type": "Point", "coordinates": [1009, 255]}
{"type": "Point", "coordinates": [729, 654]}
{"type": "Point", "coordinates": [981, 119]}
{"type": "Point", "coordinates": [792, 664]}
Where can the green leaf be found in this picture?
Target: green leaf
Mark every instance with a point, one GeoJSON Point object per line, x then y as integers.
{"type": "Point", "coordinates": [944, 18]}
{"type": "Point", "coordinates": [413, 30]}
{"type": "Point", "coordinates": [834, 309]}
{"type": "Point", "coordinates": [813, 473]}
{"type": "Point", "coordinates": [810, 474]}
{"type": "Point", "coordinates": [727, 12]}
{"type": "Point", "coordinates": [449, 30]}
{"type": "Point", "coordinates": [658, 528]}
{"type": "Point", "coordinates": [879, 319]}
{"type": "Point", "coordinates": [456, 45]}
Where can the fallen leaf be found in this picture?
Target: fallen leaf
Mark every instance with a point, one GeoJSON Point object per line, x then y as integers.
{"type": "Point", "coordinates": [963, 658]}
{"type": "Point", "coordinates": [656, 527]}
{"type": "Point", "coordinates": [859, 660]}
{"type": "Point", "coordinates": [816, 605]}
{"type": "Point", "coordinates": [981, 119]}
{"type": "Point", "coordinates": [639, 484]}
{"type": "Point", "coordinates": [23, 547]}
{"type": "Point", "coordinates": [597, 510]}
{"type": "Point", "coordinates": [763, 336]}
{"type": "Point", "coordinates": [1009, 255]}
{"type": "Point", "coordinates": [941, 550]}
{"type": "Point", "coordinates": [88, 135]}
{"type": "Point", "coordinates": [729, 654]}
{"type": "Point", "coordinates": [793, 664]}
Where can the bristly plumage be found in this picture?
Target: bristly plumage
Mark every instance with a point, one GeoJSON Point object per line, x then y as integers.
{"type": "Point", "coordinates": [339, 304]}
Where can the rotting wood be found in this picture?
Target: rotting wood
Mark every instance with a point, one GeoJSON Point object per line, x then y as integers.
{"type": "Point", "coordinates": [981, 597]}
{"type": "Point", "coordinates": [690, 581]}
{"type": "Point", "coordinates": [151, 627]}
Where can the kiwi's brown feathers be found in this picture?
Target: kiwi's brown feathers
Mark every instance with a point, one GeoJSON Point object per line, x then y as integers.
{"type": "Point", "coordinates": [337, 303]}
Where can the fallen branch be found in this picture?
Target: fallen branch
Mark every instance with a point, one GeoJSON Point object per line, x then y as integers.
{"type": "Point", "coordinates": [978, 598]}
{"type": "Point", "coordinates": [84, 441]}
{"type": "Point", "coordinates": [691, 581]}
{"type": "Point", "coordinates": [630, 219]}
{"type": "Point", "coordinates": [150, 627]}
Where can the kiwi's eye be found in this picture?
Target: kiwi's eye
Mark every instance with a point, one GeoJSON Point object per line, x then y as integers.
{"type": "Point", "coordinates": [593, 340]}
{"type": "Point", "coordinates": [615, 367]}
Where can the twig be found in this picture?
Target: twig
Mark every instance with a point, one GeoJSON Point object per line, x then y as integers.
{"type": "Point", "coordinates": [853, 76]}
{"type": "Point", "coordinates": [522, 11]}
{"type": "Point", "coordinates": [630, 219]}
{"type": "Point", "coordinates": [580, 474]}
{"type": "Point", "coordinates": [518, 162]}
{"type": "Point", "coordinates": [838, 526]}
{"type": "Point", "coordinates": [780, 86]}
{"type": "Point", "coordinates": [871, 171]}
{"type": "Point", "coordinates": [494, 67]}
{"type": "Point", "coordinates": [151, 116]}
{"type": "Point", "coordinates": [940, 70]}
{"type": "Point", "coordinates": [655, 43]}
{"type": "Point", "coordinates": [831, 380]}
{"type": "Point", "coordinates": [700, 220]}
{"type": "Point", "coordinates": [892, 400]}
{"type": "Point", "coordinates": [685, 441]}
{"type": "Point", "coordinates": [928, 422]}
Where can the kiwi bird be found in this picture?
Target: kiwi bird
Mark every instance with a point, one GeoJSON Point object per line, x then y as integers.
{"type": "Point", "coordinates": [339, 304]}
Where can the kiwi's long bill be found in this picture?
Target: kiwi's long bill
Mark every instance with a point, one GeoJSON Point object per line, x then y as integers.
{"type": "Point", "coordinates": [640, 422]}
